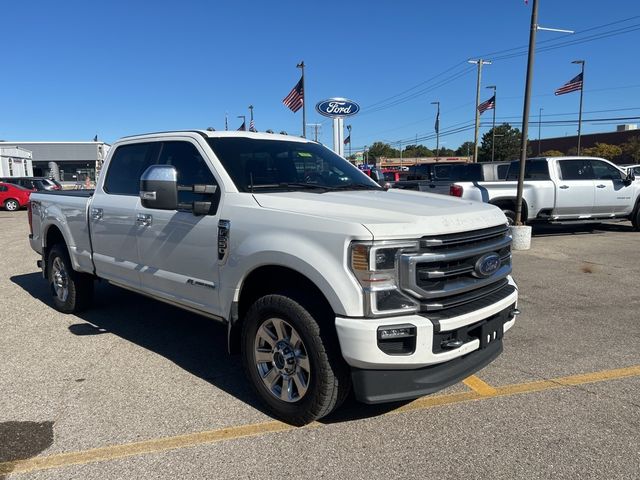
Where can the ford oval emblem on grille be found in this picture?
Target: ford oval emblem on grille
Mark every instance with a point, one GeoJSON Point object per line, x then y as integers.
{"type": "Point", "coordinates": [487, 265]}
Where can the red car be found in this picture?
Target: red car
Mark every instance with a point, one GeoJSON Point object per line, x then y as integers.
{"type": "Point", "coordinates": [13, 197]}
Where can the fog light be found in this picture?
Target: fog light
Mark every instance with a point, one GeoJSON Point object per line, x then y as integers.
{"type": "Point", "coordinates": [397, 339]}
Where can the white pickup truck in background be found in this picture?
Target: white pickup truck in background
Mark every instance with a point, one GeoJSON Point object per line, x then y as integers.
{"type": "Point", "coordinates": [562, 189]}
{"type": "Point", "coordinates": [325, 280]}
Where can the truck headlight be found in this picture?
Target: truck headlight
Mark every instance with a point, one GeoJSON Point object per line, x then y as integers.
{"type": "Point", "coordinates": [375, 265]}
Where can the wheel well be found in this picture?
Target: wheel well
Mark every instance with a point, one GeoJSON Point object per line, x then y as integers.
{"type": "Point", "coordinates": [53, 237]}
{"type": "Point", "coordinates": [510, 204]}
{"type": "Point", "coordinates": [273, 279]}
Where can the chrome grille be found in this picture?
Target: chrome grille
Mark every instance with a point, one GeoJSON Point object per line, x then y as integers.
{"type": "Point", "coordinates": [442, 274]}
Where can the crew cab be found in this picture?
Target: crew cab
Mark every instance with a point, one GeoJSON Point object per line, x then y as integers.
{"type": "Point", "coordinates": [438, 177]}
{"type": "Point", "coordinates": [561, 190]}
{"type": "Point", "coordinates": [325, 281]}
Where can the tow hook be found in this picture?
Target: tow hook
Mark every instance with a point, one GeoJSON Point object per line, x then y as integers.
{"type": "Point", "coordinates": [514, 313]}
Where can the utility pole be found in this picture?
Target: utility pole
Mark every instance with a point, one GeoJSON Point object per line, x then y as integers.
{"type": "Point", "coordinates": [539, 127]}
{"type": "Point", "coordinates": [581, 63]}
{"type": "Point", "coordinates": [316, 128]}
{"type": "Point", "coordinates": [525, 110]}
{"type": "Point", "coordinates": [479, 63]}
{"type": "Point", "coordinates": [400, 147]}
{"type": "Point", "coordinates": [304, 102]}
{"type": "Point", "coordinates": [437, 130]}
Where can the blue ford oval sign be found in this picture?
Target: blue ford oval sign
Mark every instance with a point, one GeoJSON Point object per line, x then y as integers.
{"type": "Point", "coordinates": [487, 265]}
{"type": "Point", "coordinates": [337, 108]}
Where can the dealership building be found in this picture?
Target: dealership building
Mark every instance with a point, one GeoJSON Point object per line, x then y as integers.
{"type": "Point", "coordinates": [15, 161]}
{"type": "Point", "coordinates": [63, 161]}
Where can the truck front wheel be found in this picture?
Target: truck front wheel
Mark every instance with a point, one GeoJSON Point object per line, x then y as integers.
{"type": "Point", "coordinates": [294, 366]}
{"type": "Point", "coordinates": [72, 291]}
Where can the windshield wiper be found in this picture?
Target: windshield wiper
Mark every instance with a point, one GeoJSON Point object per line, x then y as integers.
{"type": "Point", "coordinates": [357, 186]}
{"type": "Point", "coordinates": [292, 186]}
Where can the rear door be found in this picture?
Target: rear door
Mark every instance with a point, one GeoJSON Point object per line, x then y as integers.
{"type": "Point", "coordinates": [575, 191]}
{"type": "Point", "coordinates": [612, 196]}
{"type": "Point", "coordinates": [178, 250]}
{"type": "Point", "coordinates": [112, 215]}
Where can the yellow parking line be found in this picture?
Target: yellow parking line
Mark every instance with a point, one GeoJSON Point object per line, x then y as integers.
{"type": "Point", "coordinates": [479, 386]}
{"type": "Point", "coordinates": [480, 391]}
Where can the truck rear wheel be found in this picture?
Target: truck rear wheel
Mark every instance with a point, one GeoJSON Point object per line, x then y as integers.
{"type": "Point", "coordinates": [72, 291]}
{"type": "Point", "coordinates": [635, 219]}
{"type": "Point", "coordinates": [294, 366]}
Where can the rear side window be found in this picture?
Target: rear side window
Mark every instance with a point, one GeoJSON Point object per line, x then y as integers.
{"type": "Point", "coordinates": [533, 170]}
{"type": "Point", "coordinates": [126, 167]}
{"type": "Point", "coordinates": [502, 171]}
{"type": "Point", "coordinates": [576, 170]}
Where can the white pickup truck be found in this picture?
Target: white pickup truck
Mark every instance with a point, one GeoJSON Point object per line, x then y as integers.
{"type": "Point", "coordinates": [325, 280]}
{"type": "Point", "coordinates": [562, 189]}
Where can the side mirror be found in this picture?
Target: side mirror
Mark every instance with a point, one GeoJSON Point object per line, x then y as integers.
{"type": "Point", "coordinates": [159, 187]}
{"type": "Point", "coordinates": [631, 176]}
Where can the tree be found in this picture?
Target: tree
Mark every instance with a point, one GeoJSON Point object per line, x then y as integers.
{"type": "Point", "coordinates": [416, 151]}
{"type": "Point", "coordinates": [552, 153]}
{"type": "Point", "coordinates": [603, 150]}
{"type": "Point", "coordinates": [446, 152]}
{"type": "Point", "coordinates": [381, 149]}
{"type": "Point", "coordinates": [465, 150]}
{"type": "Point", "coordinates": [507, 144]}
{"type": "Point", "coordinates": [631, 149]}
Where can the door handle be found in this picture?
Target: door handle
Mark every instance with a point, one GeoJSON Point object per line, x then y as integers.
{"type": "Point", "coordinates": [601, 186]}
{"type": "Point", "coordinates": [96, 213]}
{"type": "Point", "coordinates": [564, 187]}
{"type": "Point", "coordinates": [144, 219]}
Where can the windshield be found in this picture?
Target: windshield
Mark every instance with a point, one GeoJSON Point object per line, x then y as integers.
{"type": "Point", "coordinates": [277, 165]}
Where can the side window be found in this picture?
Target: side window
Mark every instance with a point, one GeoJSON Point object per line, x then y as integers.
{"type": "Point", "coordinates": [192, 169]}
{"type": "Point", "coordinates": [533, 170]}
{"type": "Point", "coordinates": [502, 171]}
{"type": "Point", "coordinates": [604, 171]}
{"type": "Point", "coordinates": [3, 188]}
{"type": "Point", "coordinates": [442, 172]}
{"type": "Point", "coordinates": [576, 170]}
{"type": "Point", "coordinates": [127, 165]}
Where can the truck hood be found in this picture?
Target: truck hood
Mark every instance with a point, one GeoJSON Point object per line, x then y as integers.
{"type": "Point", "coordinates": [389, 214]}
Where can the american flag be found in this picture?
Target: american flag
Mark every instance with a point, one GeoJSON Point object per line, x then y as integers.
{"type": "Point", "coordinates": [572, 85]}
{"type": "Point", "coordinates": [347, 140]}
{"type": "Point", "coordinates": [487, 105]}
{"type": "Point", "coordinates": [252, 126]}
{"type": "Point", "coordinates": [295, 99]}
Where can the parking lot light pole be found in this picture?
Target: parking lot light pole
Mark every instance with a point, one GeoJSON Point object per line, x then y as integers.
{"type": "Point", "coordinates": [539, 127]}
{"type": "Point", "coordinates": [581, 63]}
{"type": "Point", "coordinates": [437, 130]}
{"type": "Point", "coordinates": [493, 128]}
{"type": "Point", "coordinates": [479, 63]}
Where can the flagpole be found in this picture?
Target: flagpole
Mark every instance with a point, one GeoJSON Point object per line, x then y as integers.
{"type": "Point", "coordinates": [479, 63]}
{"type": "Point", "coordinates": [581, 62]}
{"type": "Point", "coordinates": [493, 129]}
{"type": "Point", "coordinates": [304, 103]}
{"type": "Point", "coordinates": [437, 125]}
{"type": "Point", "coordinates": [226, 121]}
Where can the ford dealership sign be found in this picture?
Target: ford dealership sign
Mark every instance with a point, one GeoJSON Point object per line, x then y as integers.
{"type": "Point", "coordinates": [337, 108]}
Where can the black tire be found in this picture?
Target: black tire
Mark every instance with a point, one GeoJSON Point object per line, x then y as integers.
{"type": "Point", "coordinates": [11, 205]}
{"type": "Point", "coordinates": [328, 378]}
{"type": "Point", "coordinates": [511, 216]}
{"type": "Point", "coordinates": [72, 291]}
{"type": "Point", "coordinates": [635, 219]}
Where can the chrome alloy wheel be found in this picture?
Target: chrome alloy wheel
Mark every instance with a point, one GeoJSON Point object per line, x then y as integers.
{"type": "Point", "coordinates": [60, 279]}
{"type": "Point", "coordinates": [282, 361]}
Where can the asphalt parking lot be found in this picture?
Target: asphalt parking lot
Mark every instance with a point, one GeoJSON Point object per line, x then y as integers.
{"type": "Point", "coordinates": [137, 389]}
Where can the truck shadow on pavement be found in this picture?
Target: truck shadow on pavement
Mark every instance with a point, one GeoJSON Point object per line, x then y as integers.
{"type": "Point", "coordinates": [194, 343]}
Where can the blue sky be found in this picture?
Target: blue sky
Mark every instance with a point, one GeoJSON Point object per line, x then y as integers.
{"type": "Point", "coordinates": [73, 69]}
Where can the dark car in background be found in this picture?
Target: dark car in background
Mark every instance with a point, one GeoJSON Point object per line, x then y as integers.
{"type": "Point", "coordinates": [33, 183]}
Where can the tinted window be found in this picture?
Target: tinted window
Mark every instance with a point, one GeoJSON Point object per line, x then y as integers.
{"type": "Point", "coordinates": [278, 164]}
{"type": "Point", "coordinates": [3, 188]}
{"type": "Point", "coordinates": [126, 167]}
{"type": "Point", "coordinates": [576, 170]}
{"type": "Point", "coordinates": [502, 171]}
{"type": "Point", "coordinates": [604, 171]}
{"type": "Point", "coordinates": [533, 170]}
{"type": "Point", "coordinates": [192, 169]}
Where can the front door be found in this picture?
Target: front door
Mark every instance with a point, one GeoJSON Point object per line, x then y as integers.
{"type": "Point", "coordinates": [178, 250]}
{"type": "Point", "coordinates": [613, 197]}
{"type": "Point", "coordinates": [575, 192]}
